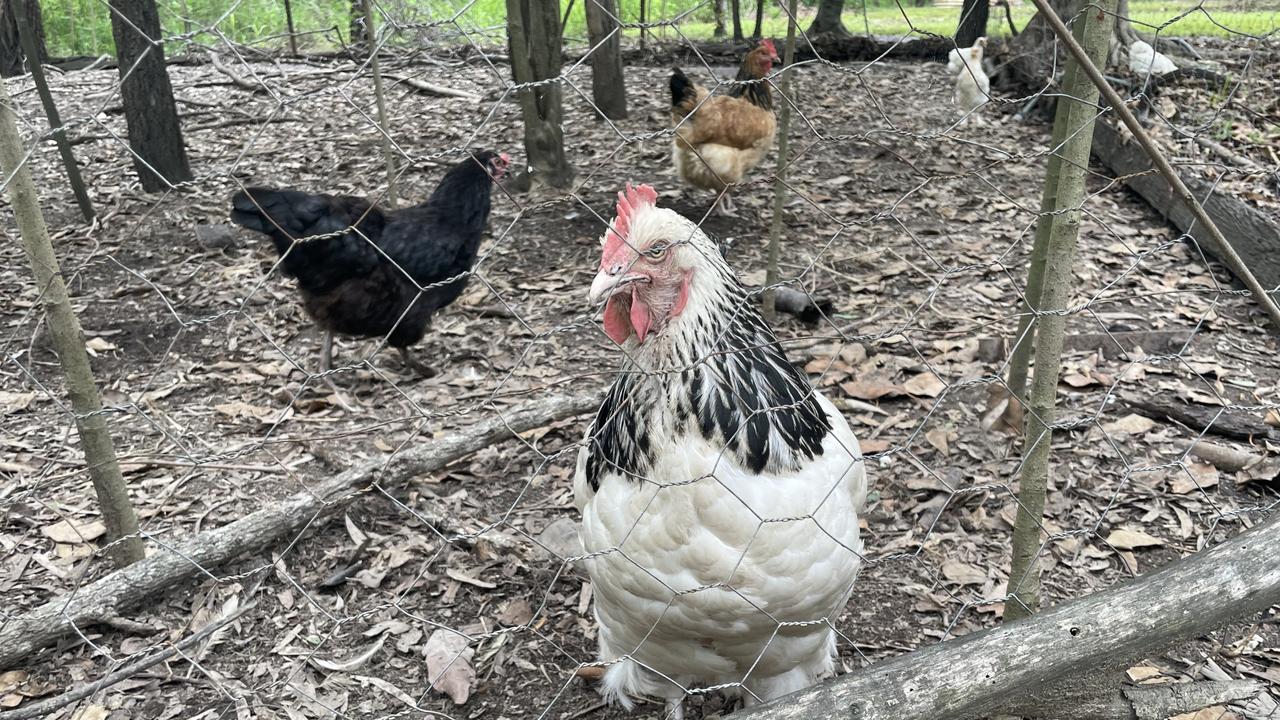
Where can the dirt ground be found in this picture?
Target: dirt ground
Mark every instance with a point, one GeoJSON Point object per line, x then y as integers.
{"type": "Point", "coordinates": [916, 230]}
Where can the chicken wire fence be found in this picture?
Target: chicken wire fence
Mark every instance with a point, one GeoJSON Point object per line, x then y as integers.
{"type": "Point", "coordinates": [907, 221]}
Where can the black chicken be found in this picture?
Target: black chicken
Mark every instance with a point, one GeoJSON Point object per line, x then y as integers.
{"type": "Point", "coordinates": [368, 272]}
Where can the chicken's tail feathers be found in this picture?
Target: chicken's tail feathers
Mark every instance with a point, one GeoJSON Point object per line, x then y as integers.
{"type": "Point", "coordinates": [684, 93]}
{"type": "Point", "coordinates": [619, 681]}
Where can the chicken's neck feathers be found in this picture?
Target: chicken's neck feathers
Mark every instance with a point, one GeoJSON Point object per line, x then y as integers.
{"type": "Point", "coordinates": [715, 372]}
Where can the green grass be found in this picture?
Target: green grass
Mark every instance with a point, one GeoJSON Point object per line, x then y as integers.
{"type": "Point", "coordinates": [82, 27]}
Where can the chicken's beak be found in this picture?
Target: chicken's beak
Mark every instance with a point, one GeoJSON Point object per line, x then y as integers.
{"type": "Point", "coordinates": [607, 284]}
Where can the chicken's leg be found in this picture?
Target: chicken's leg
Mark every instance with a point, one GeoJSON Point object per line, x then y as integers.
{"type": "Point", "coordinates": [412, 363]}
{"type": "Point", "coordinates": [326, 364]}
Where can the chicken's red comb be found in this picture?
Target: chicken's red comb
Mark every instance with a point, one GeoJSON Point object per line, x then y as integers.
{"type": "Point", "coordinates": [767, 44]}
{"type": "Point", "coordinates": [631, 200]}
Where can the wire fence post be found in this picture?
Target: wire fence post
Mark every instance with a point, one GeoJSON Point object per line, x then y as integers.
{"type": "Point", "coordinates": [780, 175]}
{"type": "Point", "coordinates": [68, 341]}
{"type": "Point", "coordinates": [1081, 99]}
{"type": "Point", "coordinates": [1025, 337]}
{"type": "Point", "coordinates": [380, 97]}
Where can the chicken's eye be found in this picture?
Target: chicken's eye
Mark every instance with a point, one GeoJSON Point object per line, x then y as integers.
{"type": "Point", "coordinates": [657, 251]}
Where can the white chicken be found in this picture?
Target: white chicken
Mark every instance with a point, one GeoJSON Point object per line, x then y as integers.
{"type": "Point", "coordinates": [973, 87]}
{"type": "Point", "coordinates": [1144, 60]}
{"type": "Point", "coordinates": [719, 493]}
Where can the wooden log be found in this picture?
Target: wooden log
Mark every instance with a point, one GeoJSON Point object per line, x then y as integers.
{"type": "Point", "coordinates": [1152, 342]}
{"type": "Point", "coordinates": [1105, 697]}
{"type": "Point", "coordinates": [978, 674]}
{"type": "Point", "coordinates": [145, 580]}
{"type": "Point", "coordinates": [1200, 417]}
{"type": "Point", "coordinates": [1255, 238]}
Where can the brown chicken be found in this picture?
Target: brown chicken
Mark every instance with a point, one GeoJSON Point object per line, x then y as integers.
{"type": "Point", "coordinates": [719, 138]}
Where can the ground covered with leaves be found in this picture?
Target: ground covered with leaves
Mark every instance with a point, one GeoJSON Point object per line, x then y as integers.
{"type": "Point", "coordinates": [915, 229]}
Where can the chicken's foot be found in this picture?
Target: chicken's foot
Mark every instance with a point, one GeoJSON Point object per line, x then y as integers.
{"type": "Point", "coordinates": [724, 205]}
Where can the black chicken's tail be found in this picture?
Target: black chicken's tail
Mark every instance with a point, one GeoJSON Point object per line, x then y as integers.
{"type": "Point", "coordinates": [684, 93]}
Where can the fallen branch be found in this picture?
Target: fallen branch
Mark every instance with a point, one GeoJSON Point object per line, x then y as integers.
{"type": "Point", "coordinates": [237, 80]}
{"type": "Point", "coordinates": [44, 707]}
{"type": "Point", "coordinates": [427, 88]}
{"type": "Point", "coordinates": [980, 673]}
{"type": "Point", "coordinates": [146, 579]}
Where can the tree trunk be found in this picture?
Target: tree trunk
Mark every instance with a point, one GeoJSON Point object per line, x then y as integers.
{"type": "Point", "coordinates": [359, 31]}
{"type": "Point", "coordinates": [973, 22]}
{"type": "Point", "coordinates": [737, 20]}
{"type": "Point", "coordinates": [288, 23]}
{"type": "Point", "coordinates": [29, 36]}
{"type": "Point", "coordinates": [155, 135]}
{"type": "Point", "coordinates": [827, 21]}
{"type": "Point", "coordinates": [720, 30]}
{"type": "Point", "coordinates": [11, 54]}
{"type": "Point", "coordinates": [68, 340]}
{"type": "Point", "coordinates": [608, 87]}
{"type": "Point", "coordinates": [759, 19]}
{"type": "Point", "coordinates": [534, 35]}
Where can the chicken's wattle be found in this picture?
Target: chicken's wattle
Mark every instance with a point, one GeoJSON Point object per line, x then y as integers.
{"type": "Point", "coordinates": [623, 316]}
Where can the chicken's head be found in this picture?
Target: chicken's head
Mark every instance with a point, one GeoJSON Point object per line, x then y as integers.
{"type": "Point", "coordinates": [761, 59]}
{"type": "Point", "coordinates": [649, 259]}
{"type": "Point", "coordinates": [494, 163]}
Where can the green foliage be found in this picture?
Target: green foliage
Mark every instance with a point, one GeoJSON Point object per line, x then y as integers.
{"type": "Point", "coordinates": [82, 27]}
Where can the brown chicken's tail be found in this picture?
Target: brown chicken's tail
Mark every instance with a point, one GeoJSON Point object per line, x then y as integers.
{"type": "Point", "coordinates": [684, 94]}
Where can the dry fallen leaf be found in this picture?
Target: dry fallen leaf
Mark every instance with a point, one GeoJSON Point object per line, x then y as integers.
{"type": "Point", "coordinates": [449, 664]}
{"type": "Point", "coordinates": [65, 531]}
{"type": "Point", "coordinates": [925, 384]}
{"type": "Point", "coordinates": [1198, 475]}
{"type": "Point", "coordinates": [939, 438]}
{"type": "Point", "coordinates": [1138, 673]}
{"type": "Point", "coordinates": [1123, 539]}
{"type": "Point", "coordinates": [264, 415]}
{"type": "Point", "coordinates": [870, 389]}
{"type": "Point", "coordinates": [515, 612]}
{"type": "Point", "coordinates": [91, 712]}
{"type": "Point", "coordinates": [1131, 424]}
{"type": "Point", "coordinates": [12, 402]}
{"type": "Point", "coordinates": [963, 573]}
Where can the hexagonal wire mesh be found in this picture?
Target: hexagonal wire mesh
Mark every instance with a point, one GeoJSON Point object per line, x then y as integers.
{"type": "Point", "coordinates": [912, 218]}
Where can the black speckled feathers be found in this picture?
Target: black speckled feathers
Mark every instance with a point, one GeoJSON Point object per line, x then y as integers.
{"type": "Point", "coordinates": [733, 387]}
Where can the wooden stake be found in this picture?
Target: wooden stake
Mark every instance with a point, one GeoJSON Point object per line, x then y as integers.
{"type": "Point", "coordinates": [1180, 189]}
{"type": "Point", "coordinates": [68, 342]}
{"type": "Point", "coordinates": [1064, 235]}
{"type": "Point", "coordinates": [383, 123]}
{"type": "Point", "coordinates": [780, 176]}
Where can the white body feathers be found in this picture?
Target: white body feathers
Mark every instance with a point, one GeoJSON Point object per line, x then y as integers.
{"type": "Point", "coordinates": [706, 571]}
{"type": "Point", "coordinates": [973, 87]}
{"type": "Point", "coordinates": [1144, 59]}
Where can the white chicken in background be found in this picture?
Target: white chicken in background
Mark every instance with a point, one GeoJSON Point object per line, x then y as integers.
{"type": "Point", "coordinates": [1144, 60]}
{"type": "Point", "coordinates": [719, 493]}
{"type": "Point", "coordinates": [973, 87]}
